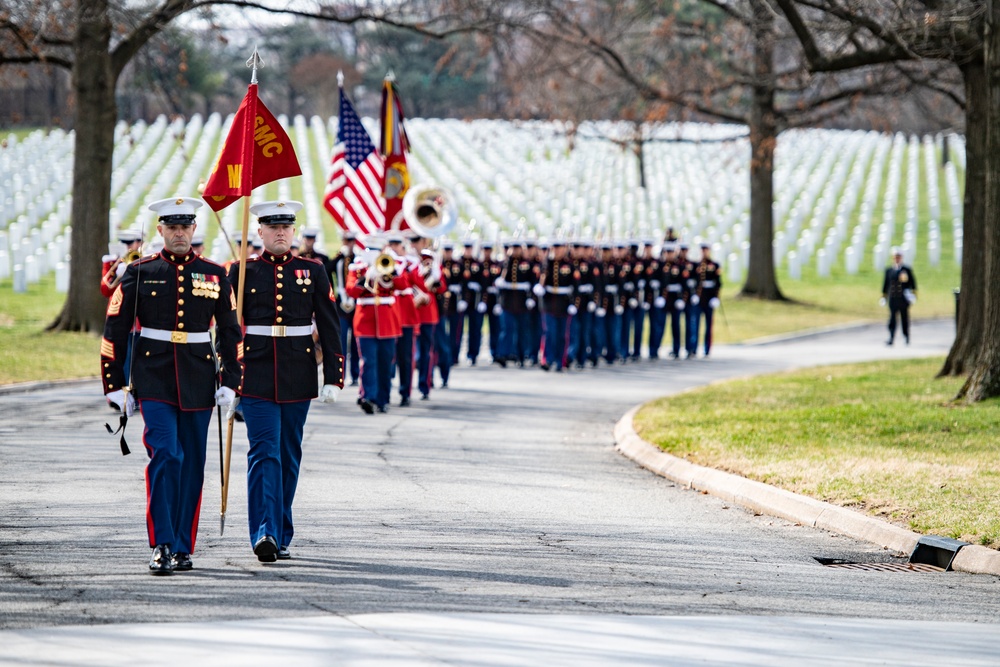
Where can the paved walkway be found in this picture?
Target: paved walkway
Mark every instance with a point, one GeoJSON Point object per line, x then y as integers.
{"type": "Point", "coordinates": [493, 525]}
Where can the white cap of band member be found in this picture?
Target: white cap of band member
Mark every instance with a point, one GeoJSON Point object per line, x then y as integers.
{"type": "Point", "coordinates": [276, 212]}
{"type": "Point", "coordinates": [180, 208]}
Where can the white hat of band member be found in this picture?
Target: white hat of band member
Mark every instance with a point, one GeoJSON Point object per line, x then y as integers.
{"type": "Point", "coordinates": [176, 211]}
{"type": "Point", "coordinates": [276, 212]}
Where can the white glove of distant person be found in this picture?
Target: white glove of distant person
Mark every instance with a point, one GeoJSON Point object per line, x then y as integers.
{"type": "Point", "coordinates": [881, 301]}
{"type": "Point", "coordinates": [571, 309]}
{"type": "Point", "coordinates": [538, 290]}
{"type": "Point", "coordinates": [679, 304]}
{"type": "Point", "coordinates": [481, 307]}
{"type": "Point", "coordinates": [231, 412]}
{"type": "Point", "coordinates": [224, 396]}
{"type": "Point", "coordinates": [601, 312]}
{"type": "Point", "coordinates": [619, 309]}
{"type": "Point", "coordinates": [659, 302]}
{"type": "Point", "coordinates": [125, 402]}
{"type": "Point", "coordinates": [633, 303]}
{"type": "Point", "coordinates": [714, 302]}
{"type": "Point", "coordinates": [329, 393]}
{"type": "Point", "coordinates": [529, 303]}
{"type": "Point", "coordinates": [591, 306]}
{"type": "Point", "coordinates": [497, 310]}
{"type": "Point", "coordinates": [462, 305]}
{"type": "Point", "coordinates": [695, 299]}
{"type": "Point", "coordinates": [645, 305]}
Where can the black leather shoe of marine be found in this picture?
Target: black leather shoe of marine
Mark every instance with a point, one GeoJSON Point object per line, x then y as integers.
{"type": "Point", "coordinates": [404, 401]}
{"type": "Point", "coordinates": [181, 562]}
{"type": "Point", "coordinates": [160, 562]}
{"type": "Point", "coordinates": [283, 554]}
{"type": "Point", "coordinates": [367, 406]}
{"type": "Point", "coordinates": [266, 549]}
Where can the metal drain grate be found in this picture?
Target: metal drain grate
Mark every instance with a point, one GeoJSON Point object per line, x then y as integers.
{"type": "Point", "coordinates": [879, 567]}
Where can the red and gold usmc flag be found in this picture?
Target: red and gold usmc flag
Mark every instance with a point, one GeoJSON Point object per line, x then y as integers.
{"type": "Point", "coordinates": [256, 152]}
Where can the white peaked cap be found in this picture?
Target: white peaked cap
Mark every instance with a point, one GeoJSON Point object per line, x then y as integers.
{"type": "Point", "coordinates": [266, 209]}
{"type": "Point", "coordinates": [175, 206]}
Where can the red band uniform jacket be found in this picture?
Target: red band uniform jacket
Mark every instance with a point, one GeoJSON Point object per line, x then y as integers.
{"type": "Point", "coordinates": [176, 293]}
{"type": "Point", "coordinates": [377, 318]}
{"type": "Point", "coordinates": [283, 290]}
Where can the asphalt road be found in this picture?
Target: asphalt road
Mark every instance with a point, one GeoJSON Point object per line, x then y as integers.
{"type": "Point", "coordinates": [501, 494]}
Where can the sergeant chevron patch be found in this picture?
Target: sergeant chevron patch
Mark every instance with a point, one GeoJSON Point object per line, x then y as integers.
{"type": "Point", "coordinates": [107, 349]}
{"type": "Point", "coordinates": [115, 304]}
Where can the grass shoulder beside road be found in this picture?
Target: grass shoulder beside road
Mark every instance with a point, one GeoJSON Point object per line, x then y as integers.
{"type": "Point", "coordinates": [881, 438]}
{"type": "Point", "coordinates": [27, 352]}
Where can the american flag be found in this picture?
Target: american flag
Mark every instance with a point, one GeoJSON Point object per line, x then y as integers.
{"type": "Point", "coordinates": [354, 189]}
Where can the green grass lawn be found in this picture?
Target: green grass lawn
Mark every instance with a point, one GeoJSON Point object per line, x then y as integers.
{"type": "Point", "coordinates": [881, 438]}
{"type": "Point", "coordinates": [27, 352]}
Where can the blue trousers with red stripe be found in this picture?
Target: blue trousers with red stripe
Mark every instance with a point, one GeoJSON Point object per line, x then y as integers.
{"type": "Point", "coordinates": [175, 442]}
{"type": "Point", "coordinates": [275, 434]}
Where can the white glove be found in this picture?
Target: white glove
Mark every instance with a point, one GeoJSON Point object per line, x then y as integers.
{"type": "Point", "coordinates": [124, 401]}
{"type": "Point", "coordinates": [600, 312]}
{"type": "Point", "coordinates": [529, 303]}
{"type": "Point", "coordinates": [714, 302]}
{"type": "Point", "coordinates": [328, 394]}
{"type": "Point", "coordinates": [910, 296]}
{"type": "Point", "coordinates": [679, 304]}
{"type": "Point", "coordinates": [231, 412]}
{"type": "Point", "coordinates": [481, 307]}
{"type": "Point", "coordinates": [498, 310]}
{"type": "Point", "coordinates": [462, 305]}
{"type": "Point", "coordinates": [571, 309]}
{"type": "Point", "coordinates": [645, 305]}
{"type": "Point", "coordinates": [591, 306]}
{"type": "Point", "coordinates": [695, 300]}
{"type": "Point", "coordinates": [224, 396]}
{"type": "Point", "coordinates": [633, 303]}
{"type": "Point", "coordinates": [619, 309]}
{"type": "Point", "coordinates": [881, 301]}
{"type": "Point", "coordinates": [349, 303]}
{"type": "Point", "coordinates": [538, 290]}
{"type": "Point", "coordinates": [660, 302]}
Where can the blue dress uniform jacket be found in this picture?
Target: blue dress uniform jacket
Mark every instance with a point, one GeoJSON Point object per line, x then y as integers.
{"type": "Point", "coordinates": [288, 291]}
{"type": "Point", "coordinates": [179, 294]}
{"type": "Point", "coordinates": [559, 278]}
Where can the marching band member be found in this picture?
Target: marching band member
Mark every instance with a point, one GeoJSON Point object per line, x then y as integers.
{"type": "Point", "coordinates": [408, 319]}
{"type": "Point", "coordinates": [372, 284]}
{"type": "Point", "coordinates": [431, 285]}
{"type": "Point", "coordinates": [448, 312]}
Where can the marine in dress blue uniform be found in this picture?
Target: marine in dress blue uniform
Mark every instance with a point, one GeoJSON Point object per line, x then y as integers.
{"type": "Point", "coordinates": [899, 288]}
{"type": "Point", "coordinates": [282, 296]}
{"type": "Point", "coordinates": [557, 288]}
{"type": "Point", "coordinates": [514, 285]}
{"type": "Point", "coordinates": [175, 295]}
{"type": "Point", "coordinates": [709, 277]}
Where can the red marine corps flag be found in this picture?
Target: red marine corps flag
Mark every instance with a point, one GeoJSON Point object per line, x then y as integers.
{"type": "Point", "coordinates": [395, 144]}
{"type": "Point", "coordinates": [256, 152]}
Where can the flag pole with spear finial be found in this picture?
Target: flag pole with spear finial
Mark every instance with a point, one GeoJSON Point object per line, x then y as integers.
{"type": "Point", "coordinates": [253, 62]}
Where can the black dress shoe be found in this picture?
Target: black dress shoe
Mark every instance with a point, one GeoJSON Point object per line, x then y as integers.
{"type": "Point", "coordinates": [382, 408]}
{"type": "Point", "coordinates": [425, 397]}
{"type": "Point", "coordinates": [283, 554]}
{"type": "Point", "coordinates": [405, 401]}
{"type": "Point", "coordinates": [160, 562]}
{"type": "Point", "coordinates": [544, 367]}
{"type": "Point", "coordinates": [266, 549]}
{"type": "Point", "coordinates": [181, 562]}
{"type": "Point", "coordinates": [367, 406]}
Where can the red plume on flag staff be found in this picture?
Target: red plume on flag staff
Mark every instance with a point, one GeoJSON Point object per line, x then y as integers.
{"type": "Point", "coordinates": [257, 151]}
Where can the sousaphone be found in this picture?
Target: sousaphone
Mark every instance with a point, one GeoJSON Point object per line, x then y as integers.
{"type": "Point", "coordinates": [429, 210]}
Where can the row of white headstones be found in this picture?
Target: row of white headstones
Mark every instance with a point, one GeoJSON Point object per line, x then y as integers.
{"type": "Point", "coordinates": [520, 179]}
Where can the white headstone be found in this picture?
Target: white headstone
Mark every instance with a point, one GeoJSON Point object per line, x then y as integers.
{"type": "Point", "coordinates": [20, 281]}
{"type": "Point", "coordinates": [62, 277]}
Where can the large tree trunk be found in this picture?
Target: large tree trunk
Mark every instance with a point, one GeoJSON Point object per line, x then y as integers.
{"type": "Point", "coordinates": [968, 335]}
{"type": "Point", "coordinates": [96, 112]}
{"type": "Point", "coordinates": [984, 377]}
{"type": "Point", "coordinates": [761, 281]}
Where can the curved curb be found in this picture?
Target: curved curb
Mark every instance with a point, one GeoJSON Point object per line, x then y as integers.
{"type": "Point", "coordinates": [24, 387]}
{"type": "Point", "coordinates": [766, 499]}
